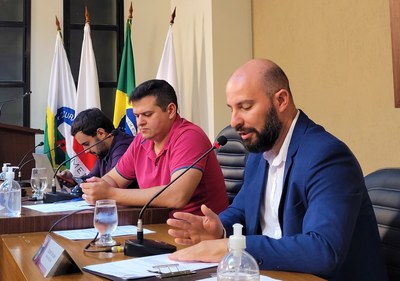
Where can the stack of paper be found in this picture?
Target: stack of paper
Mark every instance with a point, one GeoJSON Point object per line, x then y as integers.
{"type": "Point", "coordinates": [137, 268]}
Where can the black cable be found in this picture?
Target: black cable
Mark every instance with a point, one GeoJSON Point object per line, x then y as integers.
{"type": "Point", "coordinates": [103, 249]}
{"type": "Point", "coordinates": [90, 243]}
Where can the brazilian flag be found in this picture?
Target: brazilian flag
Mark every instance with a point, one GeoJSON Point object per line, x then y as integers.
{"type": "Point", "coordinates": [124, 119]}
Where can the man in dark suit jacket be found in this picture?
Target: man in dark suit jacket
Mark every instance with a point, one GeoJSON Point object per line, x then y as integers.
{"type": "Point", "coordinates": [304, 204]}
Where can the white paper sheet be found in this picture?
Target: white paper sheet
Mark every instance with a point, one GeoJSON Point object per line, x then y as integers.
{"type": "Point", "coordinates": [60, 206]}
{"type": "Point", "coordinates": [141, 267]}
{"type": "Point", "coordinates": [89, 233]}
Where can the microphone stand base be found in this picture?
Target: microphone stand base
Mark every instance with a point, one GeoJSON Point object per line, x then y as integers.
{"type": "Point", "coordinates": [51, 197]}
{"type": "Point", "coordinates": [146, 247]}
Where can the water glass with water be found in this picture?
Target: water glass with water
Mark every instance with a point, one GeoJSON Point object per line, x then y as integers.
{"type": "Point", "coordinates": [105, 221]}
{"type": "Point", "coordinates": [38, 182]}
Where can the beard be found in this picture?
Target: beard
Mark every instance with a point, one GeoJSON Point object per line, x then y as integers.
{"type": "Point", "coordinates": [102, 150]}
{"type": "Point", "coordinates": [265, 139]}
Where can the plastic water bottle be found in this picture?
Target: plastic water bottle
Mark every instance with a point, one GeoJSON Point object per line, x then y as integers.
{"type": "Point", "coordinates": [10, 196]}
{"type": "Point", "coordinates": [238, 265]}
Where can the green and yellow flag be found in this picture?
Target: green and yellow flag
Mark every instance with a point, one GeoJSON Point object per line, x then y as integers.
{"type": "Point", "coordinates": [123, 114]}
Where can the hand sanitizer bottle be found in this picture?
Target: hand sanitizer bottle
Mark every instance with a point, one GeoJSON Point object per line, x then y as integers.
{"type": "Point", "coordinates": [238, 265]}
{"type": "Point", "coordinates": [10, 196]}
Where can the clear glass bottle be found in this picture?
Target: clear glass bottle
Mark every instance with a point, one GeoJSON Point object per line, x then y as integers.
{"type": "Point", "coordinates": [10, 196]}
{"type": "Point", "coordinates": [238, 265]}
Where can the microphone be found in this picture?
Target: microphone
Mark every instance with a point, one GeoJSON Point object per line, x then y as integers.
{"type": "Point", "coordinates": [30, 160]}
{"type": "Point", "coordinates": [30, 151]}
{"type": "Point", "coordinates": [15, 99]}
{"type": "Point", "coordinates": [55, 196]}
{"type": "Point", "coordinates": [112, 134]}
{"type": "Point", "coordinates": [141, 247]}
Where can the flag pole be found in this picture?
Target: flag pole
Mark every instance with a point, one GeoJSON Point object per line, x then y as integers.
{"type": "Point", "coordinates": [130, 16]}
{"type": "Point", "coordinates": [87, 17]}
{"type": "Point", "coordinates": [58, 24]}
{"type": "Point", "coordinates": [58, 27]}
{"type": "Point", "coordinates": [173, 15]}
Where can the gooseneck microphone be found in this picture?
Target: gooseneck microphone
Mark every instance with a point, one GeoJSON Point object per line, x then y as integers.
{"type": "Point", "coordinates": [55, 196]}
{"type": "Point", "coordinates": [113, 133]}
{"type": "Point", "coordinates": [30, 160]}
{"type": "Point", "coordinates": [141, 247]}
{"type": "Point", "coordinates": [22, 160]}
{"type": "Point", "coordinates": [2, 103]}
{"type": "Point", "coordinates": [30, 151]}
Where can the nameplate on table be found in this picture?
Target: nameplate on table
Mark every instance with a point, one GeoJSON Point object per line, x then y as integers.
{"type": "Point", "coordinates": [52, 259]}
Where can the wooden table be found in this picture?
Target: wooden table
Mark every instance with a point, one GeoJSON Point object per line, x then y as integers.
{"type": "Point", "coordinates": [34, 221]}
{"type": "Point", "coordinates": [17, 251]}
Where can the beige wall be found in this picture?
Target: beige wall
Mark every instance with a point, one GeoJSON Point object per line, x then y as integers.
{"type": "Point", "coordinates": [232, 46]}
{"type": "Point", "coordinates": [337, 54]}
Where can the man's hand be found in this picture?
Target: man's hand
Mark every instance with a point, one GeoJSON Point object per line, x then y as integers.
{"type": "Point", "coordinates": [66, 178]}
{"type": "Point", "coordinates": [205, 251]}
{"type": "Point", "coordinates": [189, 229]}
{"type": "Point", "coordinates": [95, 189]}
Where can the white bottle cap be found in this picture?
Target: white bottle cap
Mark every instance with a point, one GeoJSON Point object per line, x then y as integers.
{"type": "Point", "coordinates": [237, 241]}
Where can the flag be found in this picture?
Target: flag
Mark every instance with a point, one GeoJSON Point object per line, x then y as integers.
{"type": "Point", "coordinates": [60, 111]}
{"type": "Point", "coordinates": [87, 96]}
{"type": "Point", "coordinates": [167, 68]}
{"type": "Point", "coordinates": [123, 114]}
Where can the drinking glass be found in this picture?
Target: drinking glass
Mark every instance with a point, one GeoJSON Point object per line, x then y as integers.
{"type": "Point", "coordinates": [38, 182]}
{"type": "Point", "coordinates": [105, 221]}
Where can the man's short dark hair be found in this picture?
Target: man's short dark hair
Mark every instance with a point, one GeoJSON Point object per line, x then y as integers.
{"type": "Point", "coordinates": [89, 120]}
{"type": "Point", "coordinates": [160, 89]}
{"type": "Point", "coordinates": [275, 79]}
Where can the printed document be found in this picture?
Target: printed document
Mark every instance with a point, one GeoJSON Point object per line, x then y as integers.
{"type": "Point", "coordinates": [72, 205]}
{"type": "Point", "coordinates": [89, 233]}
{"type": "Point", "coordinates": [137, 268]}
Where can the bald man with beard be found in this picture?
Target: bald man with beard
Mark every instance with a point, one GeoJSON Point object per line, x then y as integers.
{"type": "Point", "coordinates": [304, 205]}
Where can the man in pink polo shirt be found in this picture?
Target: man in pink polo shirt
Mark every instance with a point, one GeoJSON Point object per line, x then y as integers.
{"type": "Point", "coordinates": [165, 146]}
